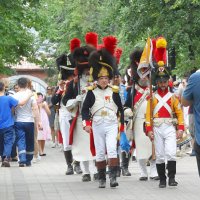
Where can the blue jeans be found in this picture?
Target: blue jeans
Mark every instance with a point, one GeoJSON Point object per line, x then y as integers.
{"type": "Point", "coordinates": [7, 136]}
{"type": "Point", "coordinates": [25, 141]}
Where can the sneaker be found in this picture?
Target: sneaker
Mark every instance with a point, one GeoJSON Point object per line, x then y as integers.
{"type": "Point", "coordinates": [28, 164]}
{"type": "Point", "coordinates": [5, 163]}
{"type": "Point", "coordinates": [22, 165]}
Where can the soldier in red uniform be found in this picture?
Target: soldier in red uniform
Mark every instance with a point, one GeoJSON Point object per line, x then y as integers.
{"type": "Point", "coordinates": [164, 110]}
{"type": "Point", "coordinates": [138, 100]}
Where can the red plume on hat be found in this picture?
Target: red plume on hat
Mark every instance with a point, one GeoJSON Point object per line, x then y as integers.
{"type": "Point", "coordinates": [160, 51]}
{"type": "Point", "coordinates": [118, 53]}
{"type": "Point", "coordinates": [110, 43]}
{"type": "Point", "coordinates": [74, 43]}
{"type": "Point", "coordinates": [91, 38]}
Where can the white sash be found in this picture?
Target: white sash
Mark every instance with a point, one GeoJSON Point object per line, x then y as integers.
{"type": "Point", "coordinates": [162, 101]}
{"type": "Point", "coordinates": [144, 93]}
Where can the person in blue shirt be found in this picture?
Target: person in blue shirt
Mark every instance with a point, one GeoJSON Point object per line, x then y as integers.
{"type": "Point", "coordinates": [7, 123]}
{"type": "Point", "coordinates": [191, 96]}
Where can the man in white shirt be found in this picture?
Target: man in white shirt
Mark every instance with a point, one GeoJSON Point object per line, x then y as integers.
{"type": "Point", "coordinates": [24, 124]}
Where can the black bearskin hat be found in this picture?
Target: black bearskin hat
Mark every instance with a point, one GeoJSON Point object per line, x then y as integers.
{"type": "Point", "coordinates": [103, 60]}
{"type": "Point", "coordinates": [135, 60]}
{"type": "Point", "coordinates": [81, 55]}
{"type": "Point", "coordinates": [65, 65]}
{"type": "Point", "coordinates": [160, 58]}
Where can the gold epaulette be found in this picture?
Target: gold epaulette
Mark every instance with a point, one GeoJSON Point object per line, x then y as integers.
{"type": "Point", "coordinates": [115, 89]}
{"type": "Point", "coordinates": [91, 87]}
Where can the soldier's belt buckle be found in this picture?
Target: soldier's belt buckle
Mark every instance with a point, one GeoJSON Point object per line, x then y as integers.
{"type": "Point", "coordinates": [104, 113]}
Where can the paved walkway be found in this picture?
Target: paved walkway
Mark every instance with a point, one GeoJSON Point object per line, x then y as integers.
{"type": "Point", "coordinates": [46, 181]}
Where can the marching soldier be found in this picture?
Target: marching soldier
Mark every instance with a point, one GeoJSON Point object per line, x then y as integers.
{"type": "Point", "coordinates": [139, 97]}
{"type": "Point", "coordinates": [162, 110]}
{"type": "Point", "coordinates": [65, 64]}
{"type": "Point", "coordinates": [73, 99]}
{"type": "Point", "coordinates": [101, 105]}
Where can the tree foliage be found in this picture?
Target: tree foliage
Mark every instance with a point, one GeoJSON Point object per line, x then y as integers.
{"type": "Point", "coordinates": [131, 21]}
{"type": "Point", "coordinates": [16, 40]}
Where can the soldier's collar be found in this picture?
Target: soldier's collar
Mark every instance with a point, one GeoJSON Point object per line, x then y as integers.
{"type": "Point", "coordinates": [101, 87]}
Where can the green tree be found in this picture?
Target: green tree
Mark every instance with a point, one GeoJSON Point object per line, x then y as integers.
{"type": "Point", "coordinates": [16, 19]}
{"type": "Point", "coordinates": [131, 21]}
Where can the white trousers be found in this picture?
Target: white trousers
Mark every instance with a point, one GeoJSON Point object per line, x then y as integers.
{"type": "Point", "coordinates": [64, 129]}
{"type": "Point", "coordinates": [105, 138]}
{"type": "Point", "coordinates": [88, 167]}
{"type": "Point", "coordinates": [143, 168]}
{"type": "Point", "coordinates": [165, 143]}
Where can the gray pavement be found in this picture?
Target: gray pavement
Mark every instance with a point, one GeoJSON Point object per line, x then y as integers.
{"type": "Point", "coordinates": [45, 180]}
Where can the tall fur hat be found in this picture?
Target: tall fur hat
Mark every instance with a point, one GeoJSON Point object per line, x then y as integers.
{"type": "Point", "coordinates": [65, 66]}
{"type": "Point", "coordinates": [81, 55]}
{"type": "Point", "coordinates": [135, 60]}
{"type": "Point", "coordinates": [102, 61]}
{"type": "Point", "coordinates": [160, 58]}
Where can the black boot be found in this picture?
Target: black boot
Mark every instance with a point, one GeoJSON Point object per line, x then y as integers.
{"type": "Point", "coordinates": [96, 177]}
{"type": "Point", "coordinates": [102, 177]}
{"type": "Point", "coordinates": [113, 172]}
{"type": "Point", "coordinates": [118, 174]}
{"type": "Point", "coordinates": [125, 163]}
{"type": "Point", "coordinates": [171, 173]}
{"type": "Point", "coordinates": [101, 167]}
{"type": "Point", "coordinates": [86, 178]}
{"type": "Point", "coordinates": [161, 174]}
{"type": "Point", "coordinates": [68, 158]}
{"type": "Point", "coordinates": [77, 167]}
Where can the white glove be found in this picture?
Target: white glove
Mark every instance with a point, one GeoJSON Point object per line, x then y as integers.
{"type": "Point", "coordinates": [79, 98]}
{"type": "Point", "coordinates": [128, 113]}
{"type": "Point", "coordinates": [71, 104]}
